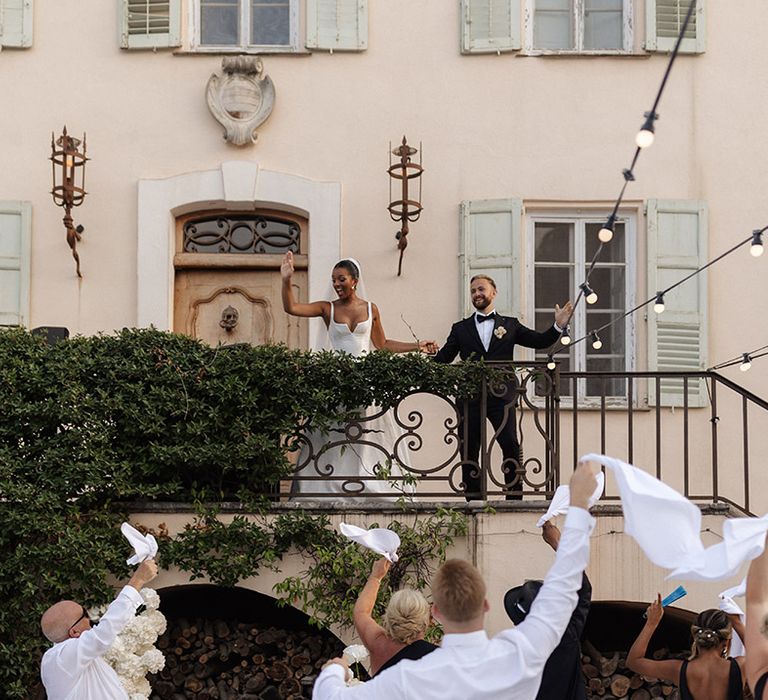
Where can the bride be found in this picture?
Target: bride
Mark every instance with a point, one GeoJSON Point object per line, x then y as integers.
{"type": "Point", "coordinates": [354, 327]}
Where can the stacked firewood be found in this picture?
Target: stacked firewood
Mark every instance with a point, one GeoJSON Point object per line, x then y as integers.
{"type": "Point", "coordinates": [229, 660]}
{"type": "Point", "coordinates": [608, 678]}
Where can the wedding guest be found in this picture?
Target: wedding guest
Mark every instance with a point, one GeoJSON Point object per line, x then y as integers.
{"type": "Point", "coordinates": [72, 669]}
{"type": "Point", "coordinates": [756, 639]}
{"type": "Point", "coordinates": [708, 673]}
{"type": "Point", "coordinates": [563, 678]}
{"type": "Point", "coordinates": [401, 632]}
{"type": "Point", "coordinates": [468, 665]}
{"type": "Point", "coordinates": [487, 335]}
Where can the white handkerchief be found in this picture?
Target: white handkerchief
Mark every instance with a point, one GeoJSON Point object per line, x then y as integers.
{"type": "Point", "coordinates": [378, 539]}
{"type": "Point", "coordinates": [667, 527]}
{"type": "Point", "coordinates": [562, 500]}
{"type": "Point", "coordinates": [729, 605]}
{"type": "Point", "coordinates": [145, 546]}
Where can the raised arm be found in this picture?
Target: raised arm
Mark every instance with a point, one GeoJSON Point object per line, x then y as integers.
{"type": "Point", "coordinates": [663, 670]}
{"type": "Point", "coordinates": [756, 640]}
{"type": "Point", "coordinates": [533, 339]}
{"type": "Point", "coordinates": [290, 305]}
{"type": "Point", "coordinates": [367, 628]}
{"type": "Point", "coordinates": [380, 341]}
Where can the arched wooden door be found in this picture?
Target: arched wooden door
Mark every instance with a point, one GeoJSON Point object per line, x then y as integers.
{"type": "Point", "coordinates": [227, 277]}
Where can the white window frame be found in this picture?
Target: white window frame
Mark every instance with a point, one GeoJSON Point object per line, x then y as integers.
{"type": "Point", "coordinates": [194, 27]}
{"type": "Point", "coordinates": [580, 217]}
{"type": "Point", "coordinates": [628, 33]}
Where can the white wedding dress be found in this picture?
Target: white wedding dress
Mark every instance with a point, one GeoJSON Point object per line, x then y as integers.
{"type": "Point", "coordinates": [343, 460]}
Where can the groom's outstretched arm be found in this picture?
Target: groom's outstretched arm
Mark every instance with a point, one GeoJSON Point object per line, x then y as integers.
{"type": "Point", "coordinates": [450, 349]}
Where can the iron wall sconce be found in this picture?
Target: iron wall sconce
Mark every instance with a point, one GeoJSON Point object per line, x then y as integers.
{"type": "Point", "coordinates": [68, 168]}
{"type": "Point", "coordinates": [404, 210]}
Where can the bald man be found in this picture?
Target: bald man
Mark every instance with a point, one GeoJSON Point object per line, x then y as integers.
{"type": "Point", "coordinates": [72, 669]}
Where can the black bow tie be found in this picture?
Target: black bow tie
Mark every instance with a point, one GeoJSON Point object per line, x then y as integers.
{"type": "Point", "coordinates": [480, 318]}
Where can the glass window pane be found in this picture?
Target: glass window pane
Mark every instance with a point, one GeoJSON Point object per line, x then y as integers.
{"type": "Point", "coordinates": [553, 24]}
{"type": "Point", "coordinates": [596, 386]}
{"type": "Point", "coordinates": [219, 22]}
{"type": "Point", "coordinates": [603, 21]}
{"type": "Point", "coordinates": [553, 242]}
{"type": "Point", "coordinates": [270, 23]}
{"type": "Point", "coordinates": [609, 284]}
{"type": "Point", "coordinates": [613, 251]}
{"type": "Point", "coordinates": [612, 337]}
{"type": "Point", "coordinates": [552, 286]}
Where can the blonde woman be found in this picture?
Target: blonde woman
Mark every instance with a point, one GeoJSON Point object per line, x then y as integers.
{"type": "Point", "coordinates": [403, 626]}
{"type": "Point", "coordinates": [708, 674]}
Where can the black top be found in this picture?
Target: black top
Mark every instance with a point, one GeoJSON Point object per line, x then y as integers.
{"type": "Point", "coordinates": [415, 650]}
{"type": "Point", "coordinates": [760, 687]}
{"type": "Point", "coordinates": [735, 683]}
{"type": "Point", "coordinates": [563, 678]}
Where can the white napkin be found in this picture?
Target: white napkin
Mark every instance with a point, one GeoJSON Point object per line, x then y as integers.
{"type": "Point", "coordinates": [561, 500]}
{"type": "Point", "coordinates": [145, 546]}
{"type": "Point", "coordinates": [666, 525]}
{"type": "Point", "coordinates": [729, 605]}
{"type": "Point", "coordinates": [378, 539]}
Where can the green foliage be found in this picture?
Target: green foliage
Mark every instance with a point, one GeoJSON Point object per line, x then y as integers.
{"type": "Point", "coordinates": [90, 425]}
{"type": "Point", "coordinates": [328, 588]}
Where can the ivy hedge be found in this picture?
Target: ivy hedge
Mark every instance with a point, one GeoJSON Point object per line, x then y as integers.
{"type": "Point", "coordinates": [91, 425]}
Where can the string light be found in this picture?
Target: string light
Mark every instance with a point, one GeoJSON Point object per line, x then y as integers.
{"type": "Point", "coordinates": [589, 294]}
{"type": "Point", "coordinates": [605, 234]}
{"type": "Point", "coordinates": [646, 135]}
{"type": "Point", "coordinates": [746, 363]}
{"type": "Point", "coordinates": [596, 342]}
{"type": "Point", "coordinates": [565, 338]}
{"type": "Point", "coordinates": [756, 249]}
{"type": "Point", "coordinates": [742, 358]}
{"type": "Point", "coordinates": [658, 305]}
{"type": "Point", "coordinates": [551, 362]}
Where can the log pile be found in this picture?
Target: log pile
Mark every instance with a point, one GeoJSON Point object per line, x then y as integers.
{"type": "Point", "coordinates": [608, 678]}
{"type": "Point", "coordinates": [230, 660]}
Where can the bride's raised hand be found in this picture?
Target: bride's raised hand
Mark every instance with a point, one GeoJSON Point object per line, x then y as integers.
{"type": "Point", "coordinates": [286, 269]}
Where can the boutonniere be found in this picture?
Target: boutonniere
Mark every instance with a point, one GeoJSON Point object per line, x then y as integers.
{"type": "Point", "coordinates": [500, 332]}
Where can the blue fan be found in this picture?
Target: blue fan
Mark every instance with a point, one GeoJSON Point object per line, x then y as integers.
{"type": "Point", "coordinates": [678, 593]}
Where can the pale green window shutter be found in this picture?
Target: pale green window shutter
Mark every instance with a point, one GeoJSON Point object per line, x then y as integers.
{"type": "Point", "coordinates": [150, 24]}
{"type": "Point", "coordinates": [663, 21]}
{"type": "Point", "coordinates": [16, 23]}
{"type": "Point", "coordinates": [337, 25]}
{"type": "Point", "coordinates": [15, 229]}
{"type": "Point", "coordinates": [490, 26]}
{"type": "Point", "coordinates": [490, 244]}
{"type": "Point", "coordinates": [677, 338]}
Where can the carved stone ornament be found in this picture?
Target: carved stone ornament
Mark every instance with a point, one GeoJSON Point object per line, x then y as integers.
{"type": "Point", "coordinates": [241, 99]}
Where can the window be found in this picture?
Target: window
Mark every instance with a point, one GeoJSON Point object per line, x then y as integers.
{"type": "Point", "coordinates": [560, 250]}
{"type": "Point", "coordinates": [248, 24]}
{"type": "Point", "coordinates": [579, 26]}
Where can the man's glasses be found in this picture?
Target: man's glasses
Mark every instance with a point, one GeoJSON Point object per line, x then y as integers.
{"type": "Point", "coordinates": [84, 616]}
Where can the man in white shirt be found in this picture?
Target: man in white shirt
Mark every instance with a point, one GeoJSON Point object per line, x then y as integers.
{"type": "Point", "coordinates": [469, 666]}
{"type": "Point", "coordinates": [72, 669]}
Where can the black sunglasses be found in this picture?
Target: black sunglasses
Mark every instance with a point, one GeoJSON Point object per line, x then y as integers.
{"type": "Point", "coordinates": [82, 617]}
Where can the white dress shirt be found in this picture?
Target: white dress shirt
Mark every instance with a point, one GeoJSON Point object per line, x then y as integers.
{"type": "Point", "coordinates": [74, 670]}
{"type": "Point", "coordinates": [471, 666]}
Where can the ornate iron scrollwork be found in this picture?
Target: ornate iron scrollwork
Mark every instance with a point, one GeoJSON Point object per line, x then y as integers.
{"type": "Point", "coordinates": [241, 234]}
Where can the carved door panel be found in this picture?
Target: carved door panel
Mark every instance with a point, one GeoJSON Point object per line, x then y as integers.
{"type": "Point", "coordinates": [228, 306]}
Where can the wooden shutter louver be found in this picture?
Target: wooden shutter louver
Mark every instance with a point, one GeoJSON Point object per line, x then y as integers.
{"type": "Point", "coordinates": [677, 338]}
{"type": "Point", "coordinates": [490, 26]}
{"type": "Point", "coordinates": [490, 243]}
{"type": "Point", "coordinates": [337, 25]}
{"type": "Point", "coordinates": [665, 18]}
{"type": "Point", "coordinates": [150, 24]}
{"type": "Point", "coordinates": [16, 23]}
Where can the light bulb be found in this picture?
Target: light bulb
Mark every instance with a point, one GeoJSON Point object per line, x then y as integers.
{"type": "Point", "coordinates": [746, 363]}
{"type": "Point", "coordinates": [596, 342]}
{"type": "Point", "coordinates": [605, 234]}
{"type": "Point", "coordinates": [658, 307]}
{"type": "Point", "coordinates": [756, 249]}
{"type": "Point", "coordinates": [589, 294]}
{"type": "Point", "coordinates": [565, 339]}
{"type": "Point", "coordinates": [551, 364]}
{"type": "Point", "coordinates": [644, 138]}
{"type": "Point", "coordinates": [70, 161]}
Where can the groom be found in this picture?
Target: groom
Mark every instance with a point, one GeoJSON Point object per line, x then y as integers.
{"type": "Point", "coordinates": [490, 336]}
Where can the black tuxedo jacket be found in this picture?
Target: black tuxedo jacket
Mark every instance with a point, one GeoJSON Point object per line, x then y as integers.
{"type": "Point", "coordinates": [465, 342]}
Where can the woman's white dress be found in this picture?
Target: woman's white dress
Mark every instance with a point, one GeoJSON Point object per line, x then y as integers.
{"type": "Point", "coordinates": [344, 460]}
